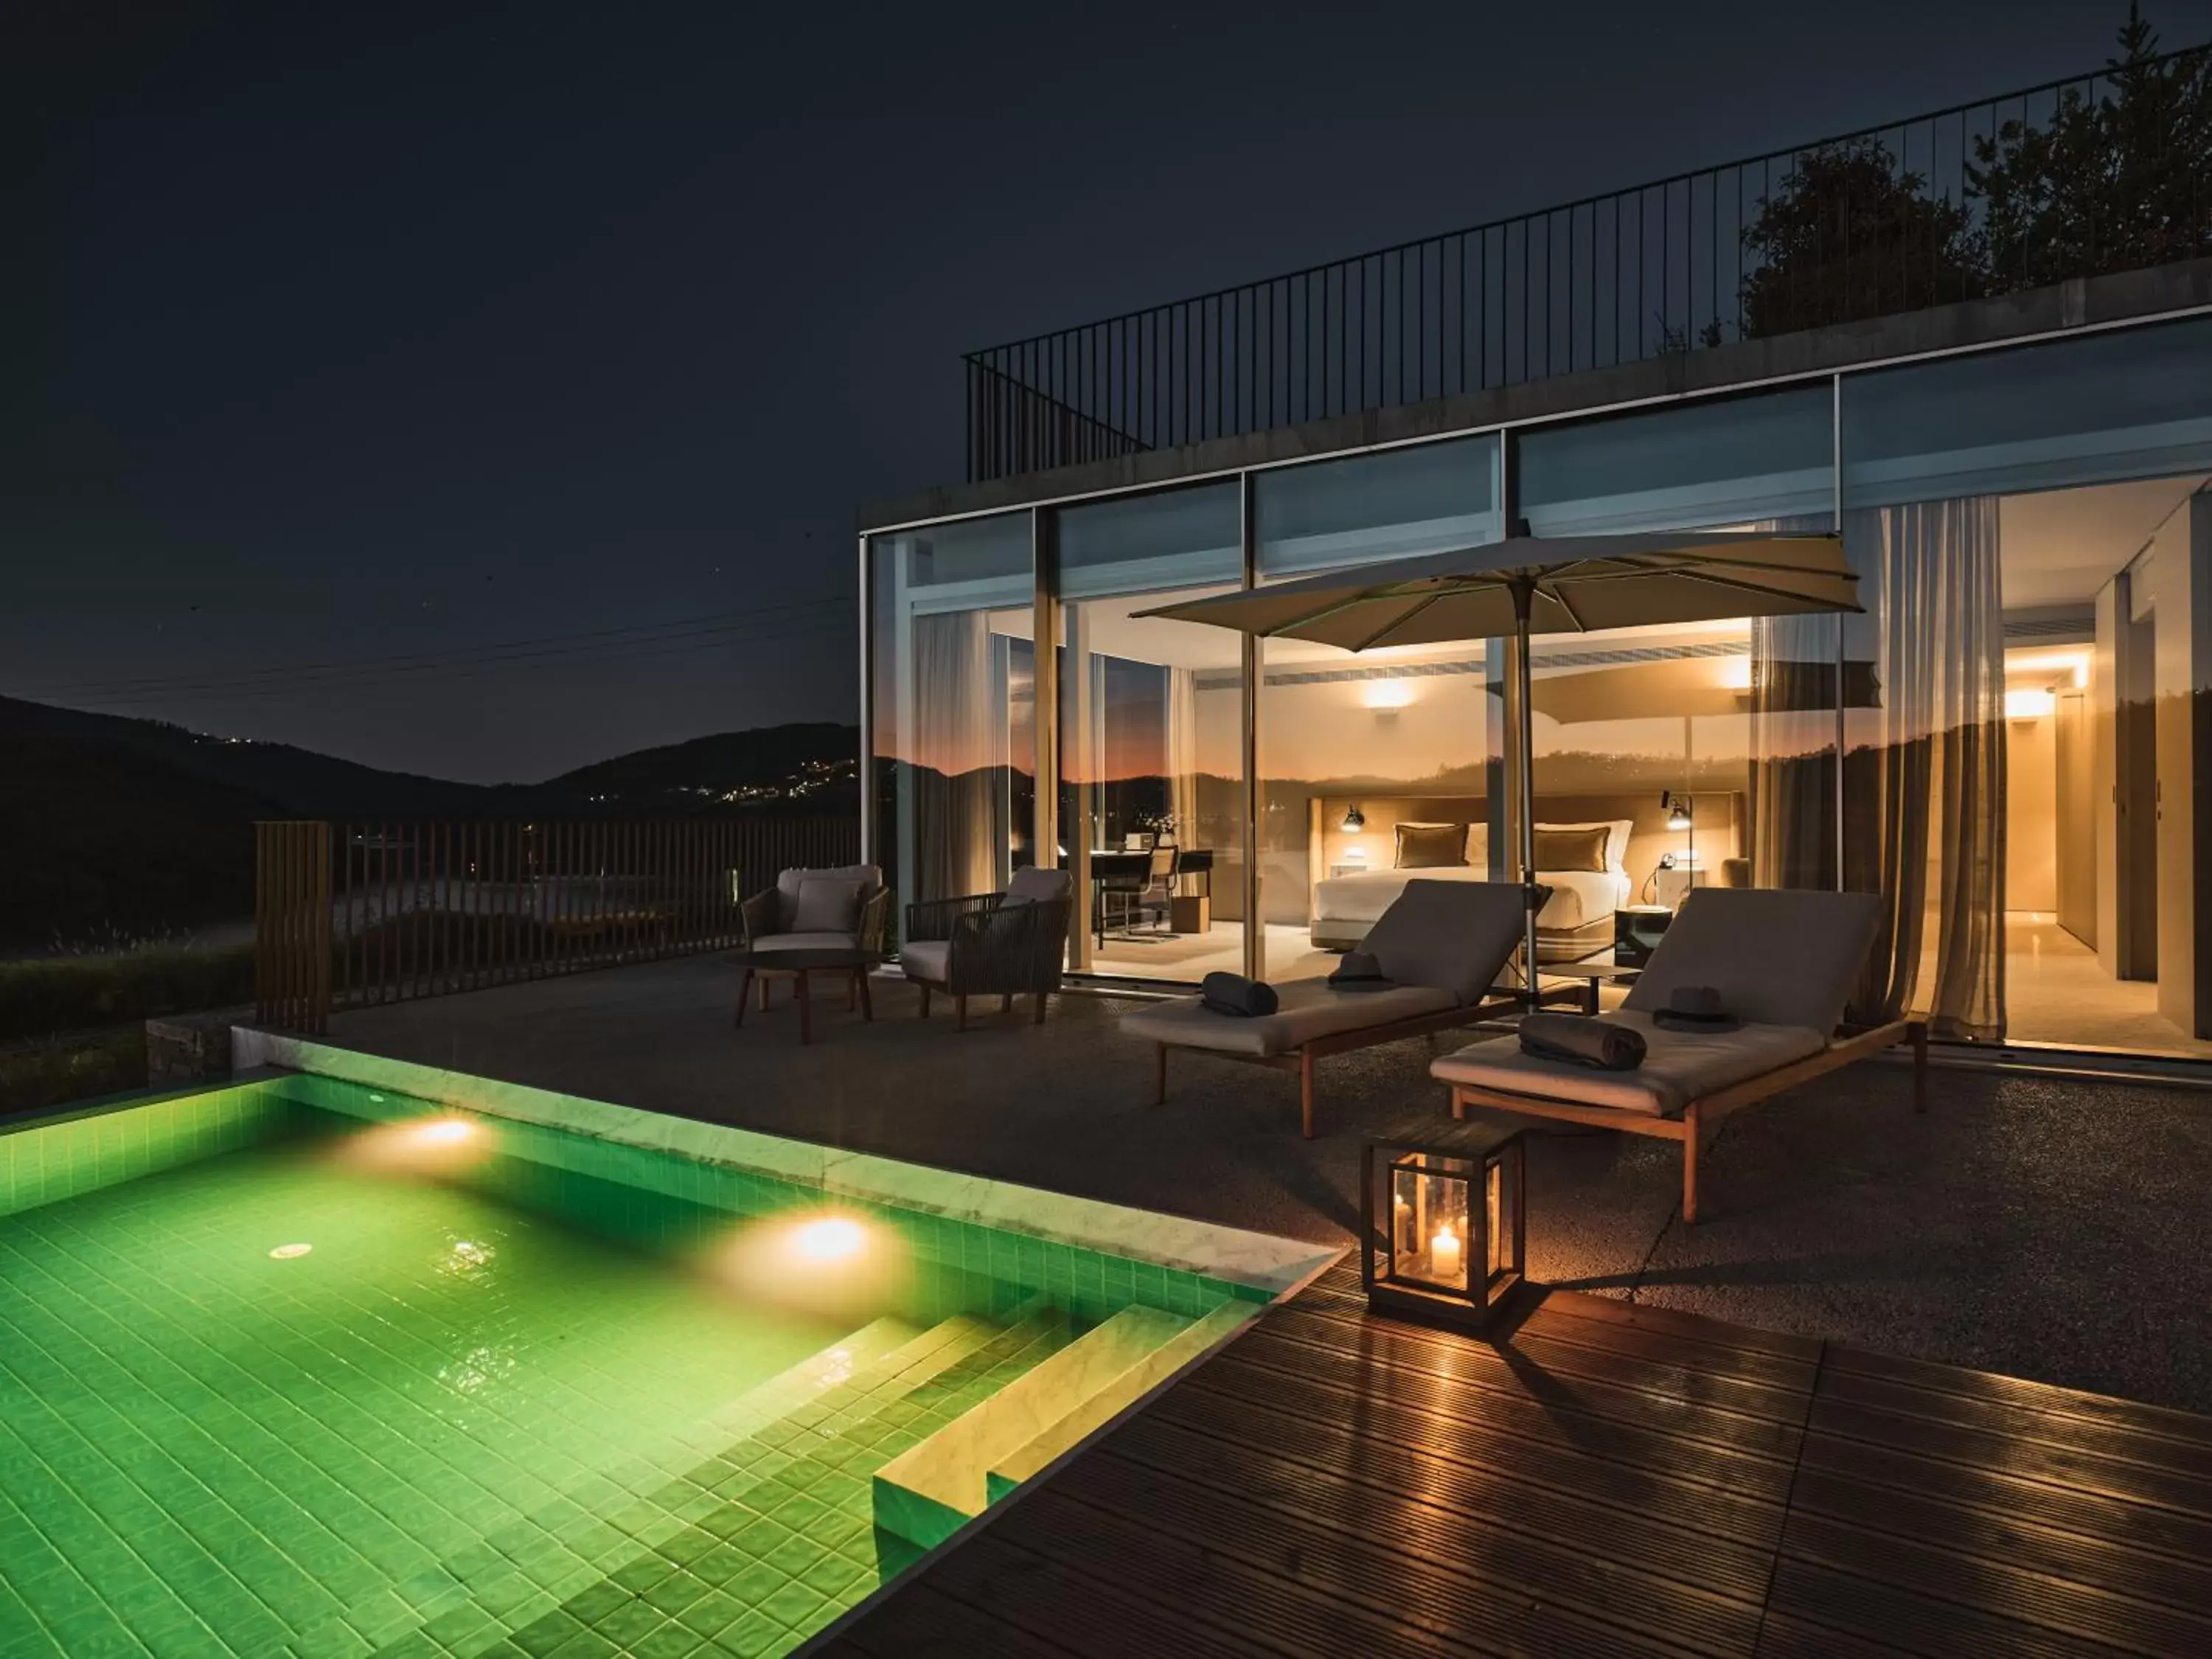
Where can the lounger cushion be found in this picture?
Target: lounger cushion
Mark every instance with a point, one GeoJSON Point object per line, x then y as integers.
{"type": "Point", "coordinates": [1309, 1008]}
{"type": "Point", "coordinates": [1453, 935]}
{"type": "Point", "coordinates": [811, 941]}
{"type": "Point", "coordinates": [1678, 1066]}
{"type": "Point", "coordinates": [927, 958]}
{"type": "Point", "coordinates": [1778, 956]}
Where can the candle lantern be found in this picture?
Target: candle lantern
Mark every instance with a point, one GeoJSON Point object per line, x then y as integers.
{"type": "Point", "coordinates": [1444, 1215]}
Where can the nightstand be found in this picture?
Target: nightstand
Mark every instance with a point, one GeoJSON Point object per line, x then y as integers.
{"type": "Point", "coordinates": [1637, 931]}
{"type": "Point", "coordinates": [1336, 870]}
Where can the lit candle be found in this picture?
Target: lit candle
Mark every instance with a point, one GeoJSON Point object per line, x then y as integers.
{"type": "Point", "coordinates": [1444, 1254]}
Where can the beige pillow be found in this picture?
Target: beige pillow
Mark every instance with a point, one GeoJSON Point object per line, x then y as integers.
{"type": "Point", "coordinates": [1431, 846]}
{"type": "Point", "coordinates": [1570, 849]}
{"type": "Point", "coordinates": [1616, 840]}
{"type": "Point", "coordinates": [1478, 845]}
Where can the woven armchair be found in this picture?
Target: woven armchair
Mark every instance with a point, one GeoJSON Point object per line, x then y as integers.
{"type": "Point", "coordinates": [760, 914]}
{"type": "Point", "coordinates": [765, 918]}
{"type": "Point", "coordinates": [1011, 943]}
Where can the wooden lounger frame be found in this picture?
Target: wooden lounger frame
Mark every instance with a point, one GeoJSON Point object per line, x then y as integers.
{"type": "Point", "coordinates": [1707, 1110]}
{"type": "Point", "coordinates": [1301, 1059]}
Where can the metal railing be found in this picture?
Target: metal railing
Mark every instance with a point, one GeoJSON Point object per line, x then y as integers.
{"type": "Point", "coordinates": [356, 914]}
{"type": "Point", "coordinates": [2096, 172]}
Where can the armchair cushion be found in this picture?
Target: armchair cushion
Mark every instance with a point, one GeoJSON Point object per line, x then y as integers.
{"type": "Point", "coordinates": [927, 958]}
{"type": "Point", "coordinates": [826, 903]}
{"type": "Point", "coordinates": [823, 939]}
{"type": "Point", "coordinates": [1032, 884]}
{"type": "Point", "coordinates": [869, 876]}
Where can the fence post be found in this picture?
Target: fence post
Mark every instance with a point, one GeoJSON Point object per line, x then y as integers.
{"type": "Point", "coordinates": [292, 926]}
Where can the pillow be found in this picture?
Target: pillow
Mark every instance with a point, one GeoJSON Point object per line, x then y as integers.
{"type": "Point", "coordinates": [1431, 845]}
{"type": "Point", "coordinates": [827, 904]}
{"type": "Point", "coordinates": [1570, 849]}
{"type": "Point", "coordinates": [1616, 844]}
{"type": "Point", "coordinates": [1478, 845]}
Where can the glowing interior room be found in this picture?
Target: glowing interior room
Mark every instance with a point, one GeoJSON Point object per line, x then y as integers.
{"type": "Point", "coordinates": [2017, 707]}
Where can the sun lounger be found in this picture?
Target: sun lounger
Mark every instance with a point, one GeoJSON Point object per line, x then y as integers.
{"type": "Point", "coordinates": [1441, 946]}
{"type": "Point", "coordinates": [1783, 963]}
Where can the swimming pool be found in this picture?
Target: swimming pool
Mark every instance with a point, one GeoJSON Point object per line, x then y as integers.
{"type": "Point", "coordinates": [307, 1364]}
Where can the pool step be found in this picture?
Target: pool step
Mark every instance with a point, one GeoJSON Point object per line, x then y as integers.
{"type": "Point", "coordinates": [852, 1356]}
{"type": "Point", "coordinates": [928, 1493]}
{"type": "Point", "coordinates": [1116, 1397]}
{"type": "Point", "coordinates": [800, 1418]}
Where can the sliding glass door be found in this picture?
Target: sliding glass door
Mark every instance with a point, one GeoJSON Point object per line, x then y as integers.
{"type": "Point", "coordinates": [2034, 542]}
{"type": "Point", "coordinates": [1151, 713]}
{"type": "Point", "coordinates": [953, 714]}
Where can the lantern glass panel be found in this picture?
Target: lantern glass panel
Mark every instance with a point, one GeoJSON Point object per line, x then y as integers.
{"type": "Point", "coordinates": [1429, 1221]}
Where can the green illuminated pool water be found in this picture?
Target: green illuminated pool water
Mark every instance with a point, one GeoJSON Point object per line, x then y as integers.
{"type": "Point", "coordinates": [503, 1406]}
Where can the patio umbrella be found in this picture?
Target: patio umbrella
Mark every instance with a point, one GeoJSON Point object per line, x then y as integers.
{"type": "Point", "coordinates": [1528, 585]}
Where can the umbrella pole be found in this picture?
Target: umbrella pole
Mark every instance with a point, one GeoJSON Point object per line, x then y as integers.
{"type": "Point", "coordinates": [1525, 734]}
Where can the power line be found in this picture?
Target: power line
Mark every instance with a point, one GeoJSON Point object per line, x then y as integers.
{"type": "Point", "coordinates": [646, 632]}
{"type": "Point", "coordinates": [435, 676]}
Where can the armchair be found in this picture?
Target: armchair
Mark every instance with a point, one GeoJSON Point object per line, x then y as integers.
{"type": "Point", "coordinates": [1011, 943]}
{"type": "Point", "coordinates": [845, 909]}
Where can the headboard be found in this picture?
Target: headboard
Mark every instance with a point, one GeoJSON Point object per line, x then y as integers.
{"type": "Point", "coordinates": [1717, 829]}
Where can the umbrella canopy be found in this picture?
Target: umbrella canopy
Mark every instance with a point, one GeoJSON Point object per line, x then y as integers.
{"type": "Point", "coordinates": [1528, 585]}
{"type": "Point", "coordinates": [1569, 584]}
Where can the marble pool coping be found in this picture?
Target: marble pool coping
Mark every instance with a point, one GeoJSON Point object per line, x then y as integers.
{"type": "Point", "coordinates": [1263, 1262]}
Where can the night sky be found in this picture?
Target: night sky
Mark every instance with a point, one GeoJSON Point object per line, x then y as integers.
{"type": "Point", "coordinates": [510, 375]}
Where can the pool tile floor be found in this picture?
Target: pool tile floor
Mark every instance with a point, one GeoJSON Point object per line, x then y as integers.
{"type": "Point", "coordinates": [447, 1427]}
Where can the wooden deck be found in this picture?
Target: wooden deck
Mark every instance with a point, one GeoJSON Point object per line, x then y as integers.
{"type": "Point", "coordinates": [1608, 1480]}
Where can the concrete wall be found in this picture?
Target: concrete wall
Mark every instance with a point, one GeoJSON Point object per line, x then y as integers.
{"type": "Point", "coordinates": [2052, 311]}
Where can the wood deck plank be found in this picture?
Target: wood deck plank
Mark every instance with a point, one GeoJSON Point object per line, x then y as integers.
{"type": "Point", "coordinates": [2162, 1421]}
{"type": "Point", "coordinates": [1608, 1478]}
{"type": "Point", "coordinates": [1418, 1408]}
{"type": "Point", "coordinates": [1363, 1540]}
{"type": "Point", "coordinates": [1339, 1478]}
{"type": "Point", "coordinates": [1627, 1359]}
{"type": "Point", "coordinates": [1699, 1509]}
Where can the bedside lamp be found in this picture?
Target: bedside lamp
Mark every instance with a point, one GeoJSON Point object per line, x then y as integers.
{"type": "Point", "coordinates": [1354, 819]}
{"type": "Point", "coordinates": [1677, 808]}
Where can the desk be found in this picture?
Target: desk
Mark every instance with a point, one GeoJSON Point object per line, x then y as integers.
{"type": "Point", "coordinates": [1119, 864]}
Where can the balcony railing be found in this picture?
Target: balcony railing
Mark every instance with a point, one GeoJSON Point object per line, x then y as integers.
{"type": "Point", "coordinates": [2098, 172]}
{"type": "Point", "coordinates": [350, 915]}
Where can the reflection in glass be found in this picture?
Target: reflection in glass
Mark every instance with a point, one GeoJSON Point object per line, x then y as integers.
{"type": "Point", "coordinates": [1151, 735]}
{"type": "Point", "coordinates": [954, 706]}
{"type": "Point", "coordinates": [1352, 745]}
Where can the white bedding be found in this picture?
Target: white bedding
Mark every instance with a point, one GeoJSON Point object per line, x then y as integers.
{"type": "Point", "coordinates": [1579, 897]}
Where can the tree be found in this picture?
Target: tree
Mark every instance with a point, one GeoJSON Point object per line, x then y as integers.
{"type": "Point", "coordinates": [2105, 183]}
{"type": "Point", "coordinates": [1848, 235]}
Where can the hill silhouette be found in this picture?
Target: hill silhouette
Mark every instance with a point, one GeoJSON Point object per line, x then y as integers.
{"type": "Point", "coordinates": [110, 825]}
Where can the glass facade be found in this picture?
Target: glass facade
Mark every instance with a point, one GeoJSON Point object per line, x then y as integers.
{"type": "Point", "coordinates": [952, 706]}
{"type": "Point", "coordinates": [1352, 744]}
{"type": "Point", "coordinates": [1703, 752]}
{"type": "Point", "coordinates": [2031, 529]}
{"type": "Point", "coordinates": [2002, 743]}
{"type": "Point", "coordinates": [1152, 771]}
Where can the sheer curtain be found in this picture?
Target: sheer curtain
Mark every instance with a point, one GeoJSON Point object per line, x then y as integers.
{"type": "Point", "coordinates": [1926, 784]}
{"type": "Point", "coordinates": [1792, 744]}
{"type": "Point", "coordinates": [1183, 753]}
{"type": "Point", "coordinates": [959, 757]}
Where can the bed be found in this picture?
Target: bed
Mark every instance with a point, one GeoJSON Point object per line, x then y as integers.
{"type": "Point", "coordinates": [1575, 919]}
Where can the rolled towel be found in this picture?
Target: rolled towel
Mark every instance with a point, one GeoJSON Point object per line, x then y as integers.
{"type": "Point", "coordinates": [1233, 994]}
{"type": "Point", "coordinates": [1358, 968]}
{"type": "Point", "coordinates": [1581, 1041]}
